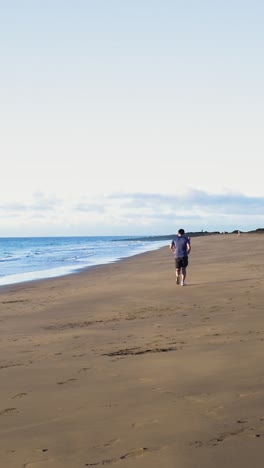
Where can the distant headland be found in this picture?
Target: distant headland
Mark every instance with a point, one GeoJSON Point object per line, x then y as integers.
{"type": "Point", "coordinates": [192, 234]}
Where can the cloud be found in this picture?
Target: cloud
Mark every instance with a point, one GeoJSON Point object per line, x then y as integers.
{"type": "Point", "coordinates": [137, 212]}
{"type": "Point", "coordinates": [89, 207]}
{"type": "Point", "coordinates": [39, 202]}
{"type": "Point", "coordinates": [133, 213]}
{"type": "Point", "coordinates": [193, 201]}
{"type": "Point", "coordinates": [42, 201]}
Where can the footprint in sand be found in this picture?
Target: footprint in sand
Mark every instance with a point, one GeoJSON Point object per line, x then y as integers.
{"type": "Point", "coordinates": [111, 461]}
{"type": "Point", "coordinates": [66, 381]}
{"type": "Point", "coordinates": [107, 444]}
{"type": "Point", "coordinates": [19, 395]}
{"type": "Point", "coordinates": [218, 440]}
{"type": "Point", "coordinates": [13, 302]}
{"type": "Point", "coordinates": [6, 366]}
{"type": "Point", "coordinates": [113, 405]}
{"type": "Point", "coordinates": [9, 411]}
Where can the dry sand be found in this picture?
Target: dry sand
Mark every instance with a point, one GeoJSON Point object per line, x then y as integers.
{"type": "Point", "coordinates": [120, 366]}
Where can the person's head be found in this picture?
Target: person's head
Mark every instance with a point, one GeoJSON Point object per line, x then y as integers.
{"type": "Point", "coordinates": [181, 232]}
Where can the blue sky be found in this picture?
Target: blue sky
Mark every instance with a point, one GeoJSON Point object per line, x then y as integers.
{"type": "Point", "coordinates": [130, 117]}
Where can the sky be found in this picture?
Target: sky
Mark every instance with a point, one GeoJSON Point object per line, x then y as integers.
{"type": "Point", "coordinates": [121, 117]}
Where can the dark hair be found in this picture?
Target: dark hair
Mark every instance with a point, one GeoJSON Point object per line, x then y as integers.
{"type": "Point", "coordinates": [181, 232]}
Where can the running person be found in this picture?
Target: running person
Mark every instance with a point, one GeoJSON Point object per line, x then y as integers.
{"type": "Point", "coordinates": [181, 247]}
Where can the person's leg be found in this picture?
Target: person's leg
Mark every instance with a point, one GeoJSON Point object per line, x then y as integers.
{"type": "Point", "coordinates": [184, 270]}
{"type": "Point", "coordinates": [183, 276]}
{"type": "Point", "coordinates": [178, 274]}
{"type": "Point", "coordinates": [178, 270]}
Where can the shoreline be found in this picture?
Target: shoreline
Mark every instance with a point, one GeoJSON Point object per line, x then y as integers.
{"type": "Point", "coordinates": [73, 274]}
{"type": "Point", "coordinates": [63, 270]}
{"type": "Point", "coordinates": [119, 365]}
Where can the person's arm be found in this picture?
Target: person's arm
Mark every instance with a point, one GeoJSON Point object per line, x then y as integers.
{"type": "Point", "coordinates": [172, 246]}
{"type": "Point", "coordinates": [189, 248]}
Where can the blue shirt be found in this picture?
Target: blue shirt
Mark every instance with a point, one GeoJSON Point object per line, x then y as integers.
{"type": "Point", "coordinates": [180, 246]}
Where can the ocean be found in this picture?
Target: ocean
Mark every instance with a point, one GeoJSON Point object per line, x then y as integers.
{"type": "Point", "coordinates": [31, 258]}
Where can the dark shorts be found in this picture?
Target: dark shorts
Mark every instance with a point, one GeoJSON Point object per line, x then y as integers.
{"type": "Point", "coordinates": [181, 262]}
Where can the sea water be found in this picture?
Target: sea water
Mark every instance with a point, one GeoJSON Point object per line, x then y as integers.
{"type": "Point", "coordinates": [31, 258]}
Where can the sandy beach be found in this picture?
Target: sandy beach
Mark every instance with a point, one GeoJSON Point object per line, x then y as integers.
{"type": "Point", "coordinates": [118, 365]}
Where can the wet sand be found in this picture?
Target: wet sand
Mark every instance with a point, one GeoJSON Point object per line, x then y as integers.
{"type": "Point", "coordinates": [120, 366]}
